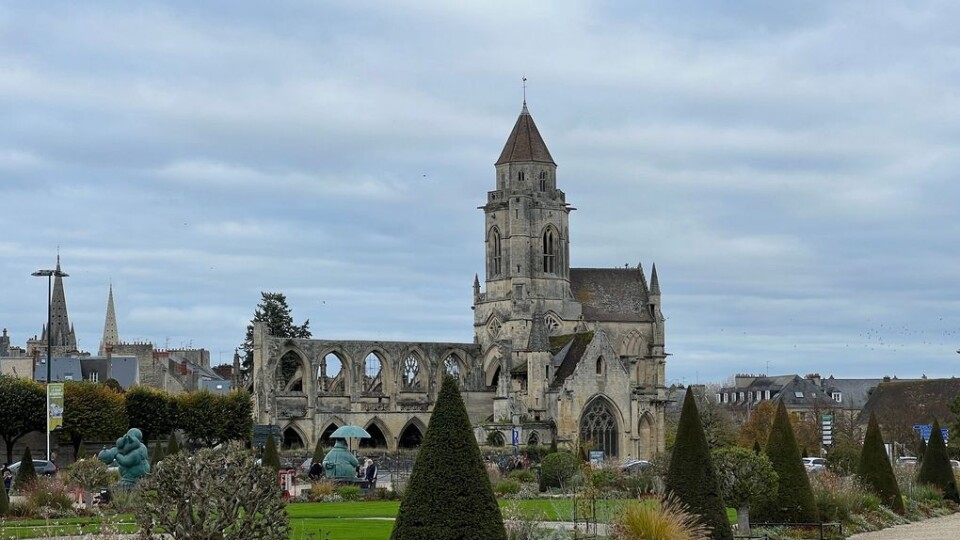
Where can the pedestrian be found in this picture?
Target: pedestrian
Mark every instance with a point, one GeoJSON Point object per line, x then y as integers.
{"type": "Point", "coordinates": [7, 477]}
{"type": "Point", "coordinates": [316, 471]}
{"type": "Point", "coordinates": [370, 472]}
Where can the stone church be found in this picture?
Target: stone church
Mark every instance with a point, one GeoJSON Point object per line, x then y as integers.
{"type": "Point", "coordinates": [572, 355]}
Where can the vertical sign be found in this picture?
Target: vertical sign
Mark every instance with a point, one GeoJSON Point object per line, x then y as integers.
{"type": "Point", "coordinates": [55, 399]}
{"type": "Point", "coordinates": [827, 425]}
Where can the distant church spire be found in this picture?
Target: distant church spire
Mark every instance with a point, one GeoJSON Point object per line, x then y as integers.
{"type": "Point", "coordinates": [110, 335]}
{"type": "Point", "coordinates": [61, 333]}
{"type": "Point", "coordinates": [654, 281]}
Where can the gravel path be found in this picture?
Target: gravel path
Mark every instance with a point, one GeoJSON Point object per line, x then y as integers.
{"type": "Point", "coordinates": [942, 528]}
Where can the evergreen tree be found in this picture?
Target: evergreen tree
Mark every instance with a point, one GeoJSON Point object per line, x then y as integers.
{"type": "Point", "coordinates": [318, 452]}
{"type": "Point", "coordinates": [274, 311]}
{"type": "Point", "coordinates": [26, 474]}
{"type": "Point", "coordinates": [692, 477]}
{"type": "Point", "coordinates": [157, 456]}
{"type": "Point", "coordinates": [875, 470]}
{"type": "Point", "coordinates": [756, 447]}
{"type": "Point", "coordinates": [270, 456]}
{"type": "Point", "coordinates": [794, 502]}
{"type": "Point", "coordinates": [804, 453]}
{"type": "Point", "coordinates": [4, 501]}
{"type": "Point", "coordinates": [173, 446]}
{"type": "Point", "coordinates": [922, 449]}
{"type": "Point", "coordinates": [936, 469]}
{"type": "Point", "coordinates": [449, 493]}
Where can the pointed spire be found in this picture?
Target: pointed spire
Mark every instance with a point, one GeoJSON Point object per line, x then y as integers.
{"type": "Point", "coordinates": [643, 277]}
{"type": "Point", "coordinates": [654, 281]}
{"type": "Point", "coordinates": [539, 336]}
{"type": "Point", "coordinates": [60, 329]}
{"type": "Point", "coordinates": [525, 142]}
{"type": "Point", "coordinates": [110, 335]}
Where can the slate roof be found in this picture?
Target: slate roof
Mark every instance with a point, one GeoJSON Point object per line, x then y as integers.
{"type": "Point", "coordinates": [567, 350]}
{"type": "Point", "coordinates": [801, 392]}
{"type": "Point", "coordinates": [611, 294]}
{"type": "Point", "coordinates": [525, 142]}
{"type": "Point", "coordinates": [913, 402]}
{"type": "Point", "coordinates": [854, 393]}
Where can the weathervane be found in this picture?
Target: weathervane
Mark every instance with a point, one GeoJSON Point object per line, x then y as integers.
{"type": "Point", "coordinates": [524, 89]}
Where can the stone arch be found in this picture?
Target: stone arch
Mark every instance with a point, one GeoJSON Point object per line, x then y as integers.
{"type": "Point", "coordinates": [411, 436]}
{"type": "Point", "coordinates": [453, 364]}
{"type": "Point", "coordinates": [645, 436]}
{"type": "Point", "coordinates": [533, 439]}
{"type": "Point", "coordinates": [601, 366]}
{"type": "Point", "coordinates": [632, 345]}
{"type": "Point", "coordinates": [333, 373]}
{"type": "Point", "coordinates": [550, 250]}
{"type": "Point", "coordinates": [413, 372]}
{"type": "Point", "coordinates": [494, 252]}
{"type": "Point", "coordinates": [496, 438]}
{"type": "Point", "coordinates": [379, 434]}
{"type": "Point", "coordinates": [332, 425]}
{"type": "Point", "coordinates": [292, 438]}
{"type": "Point", "coordinates": [491, 364]}
{"type": "Point", "coordinates": [553, 322]}
{"type": "Point", "coordinates": [600, 426]}
{"type": "Point", "coordinates": [374, 372]}
{"type": "Point", "coordinates": [290, 371]}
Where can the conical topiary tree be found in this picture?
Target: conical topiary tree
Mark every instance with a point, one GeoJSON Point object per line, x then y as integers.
{"type": "Point", "coordinates": [875, 470]}
{"type": "Point", "coordinates": [173, 446]}
{"type": "Point", "coordinates": [26, 474]}
{"type": "Point", "coordinates": [922, 448]}
{"type": "Point", "coordinates": [794, 502]}
{"type": "Point", "coordinates": [318, 452]}
{"type": "Point", "coordinates": [4, 500]}
{"type": "Point", "coordinates": [157, 456]}
{"type": "Point", "coordinates": [692, 477]}
{"type": "Point", "coordinates": [936, 469]}
{"type": "Point", "coordinates": [449, 493]}
{"type": "Point", "coordinates": [270, 456]}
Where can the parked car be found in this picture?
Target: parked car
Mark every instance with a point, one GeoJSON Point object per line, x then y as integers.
{"type": "Point", "coordinates": [815, 464]}
{"type": "Point", "coordinates": [955, 464]}
{"type": "Point", "coordinates": [634, 466]}
{"type": "Point", "coordinates": [42, 466]}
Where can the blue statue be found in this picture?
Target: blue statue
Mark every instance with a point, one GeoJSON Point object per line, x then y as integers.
{"type": "Point", "coordinates": [339, 463]}
{"type": "Point", "coordinates": [131, 454]}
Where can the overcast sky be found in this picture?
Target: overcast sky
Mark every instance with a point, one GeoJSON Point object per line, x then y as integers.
{"type": "Point", "coordinates": [791, 167]}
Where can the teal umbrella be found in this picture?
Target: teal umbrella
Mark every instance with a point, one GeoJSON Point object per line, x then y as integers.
{"type": "Point", "coordinates": [350, 432]}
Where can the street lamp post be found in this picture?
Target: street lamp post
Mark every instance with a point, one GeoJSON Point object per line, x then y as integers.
{"type": "Point", "coordinates": [49, 274]}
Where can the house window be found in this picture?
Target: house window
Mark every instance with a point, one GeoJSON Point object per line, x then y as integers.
{"type": "Point", "coordinates": [798, 394]}
{"type": "Point", "coordinates": [767, 395]}
{"type": "Point", "coordinates": [741, 396]}
{"type": "Point", "coordinates": [94, 376]}
{"type": "Point", "coordinates": [719, 398]}
{"type": "Point", "coordinates": [837, 396]}
{"type": "Point", "coordinates": [549, 251]}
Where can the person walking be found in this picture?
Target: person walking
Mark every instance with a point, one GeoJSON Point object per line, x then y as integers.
{"type": "Point", "coordinates": [370, 472]}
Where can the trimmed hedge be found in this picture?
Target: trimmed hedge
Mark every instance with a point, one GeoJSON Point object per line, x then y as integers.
{"type": "Point", "coordinates": [794, 502]}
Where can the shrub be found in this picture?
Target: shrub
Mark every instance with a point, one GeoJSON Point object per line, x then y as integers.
{"type": "Point", "coordinates": [523, 475]}
{"type": "Point", "coordinates": [692, 478]}
{"type": "Point", "coordinates": [875, 470]}
{"type": "Point", "coordinates": [840, 497]}
{"type": "Point", "coordinates": [349, 493]}
{"type": "Point", "coordinates": [4, 501]}
{"type": "Point", "coordinates": [745, 478]}
{"type": "Point", "coordinates": [844, 456]}
{"type": "Point", "coordinates": [658, 519]}
{"type": "Point", "coordinates": [238, 499]}
{"type": "Point", "coordinates": [794, 502]}
{"type": "Point", "coordinates": [270, 456]}
{"type": "Point", "coordinates": [48, 497]}
{"type": "Point", "coordinates": [319, 490]}
{"type": "Point", "coordinates": [26, 474]}
{"type": "Point", "coordinates": [88, 474]}
{"type": "Point", "coordinates": [449, 494]}
{"type": "Point", "coordinates": [936, 469]}
{"type": "Point", "coordinates": [173, 445]}
{"type": "Point", "coordinates": [507, 487]}
{"type": "Point", "coordinates": [557, 470]}
{"type": "Point", "coordinates": [603, 478]}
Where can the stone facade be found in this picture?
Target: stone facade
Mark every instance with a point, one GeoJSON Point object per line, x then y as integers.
{"type": "Point", "coordinates": [572, 355]}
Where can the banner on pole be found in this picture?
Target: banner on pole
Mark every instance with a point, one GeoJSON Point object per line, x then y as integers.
{"type": "Point", "coordinates": [55, 400]}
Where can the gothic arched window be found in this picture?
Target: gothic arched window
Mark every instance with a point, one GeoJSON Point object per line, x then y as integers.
{"type": "Point", "coordinates": [549, 251]}
{"type": "Point", "coordinates": [411, 374]}
{"type": "Point", "coordinates": [372, 374]}
{"type": "Point", "coordinates": [452, 367]}
{"type": "Point", "coordinates": [598, 428]}
{"type": "Point", "coordinates": [600, 366]}
{"type": "Point", "coordinates": [496, 252]}
{"type": "Point", "coordinates": [543, 180]}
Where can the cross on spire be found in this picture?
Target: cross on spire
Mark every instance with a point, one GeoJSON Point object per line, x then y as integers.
{"type": "Point", "coordinates": [524, 90]}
